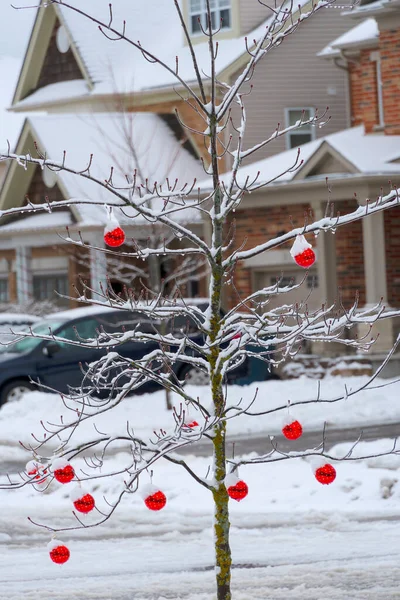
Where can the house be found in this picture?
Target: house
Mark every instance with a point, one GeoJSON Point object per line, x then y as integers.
{"type": "Point", "coordinates": [74, 76]}
{"type": "Point", "coordinates": [361, 162]}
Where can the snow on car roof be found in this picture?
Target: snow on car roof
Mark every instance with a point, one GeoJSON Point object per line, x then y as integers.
{"type": "Point", "coordinates": [77, 313]}
{"type": "Point", "coordinates": [18, 318]}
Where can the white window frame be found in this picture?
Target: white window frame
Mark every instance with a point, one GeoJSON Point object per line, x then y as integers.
{"type": "Point", "coordinates": [301, 130]}
{"type": "Point", "coordinates": [376, 57]}
{"type": "Point", "coordinates": [226, 5]}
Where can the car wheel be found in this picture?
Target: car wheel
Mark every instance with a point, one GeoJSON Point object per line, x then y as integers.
{"type": "Point", "coordinates": [195, 376]}
{"type": "Point", "coordinates": [14, 391]}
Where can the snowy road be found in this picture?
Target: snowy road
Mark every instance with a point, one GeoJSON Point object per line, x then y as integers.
{"type": "Point", "coordinates": [307, 560]}
{"type": "Point", "coordinates": [292, 538]}
{"type": "Point", "coordinates": [262, 444]}
{"type": "Point", "coordinates": [309, 439]}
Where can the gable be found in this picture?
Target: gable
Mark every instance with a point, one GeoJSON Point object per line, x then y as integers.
{"type": "Point", "coordinates": [38, 192]}
{"type": "Point", "coordinates": [327, 165]}
{"type": "Point", "coordinates": [44, 64]}
{"type": "Point", "coordinates": [21, 184]}
{"type": "Point", "coordinates": [58, 66]}
{"type": "Point", "coordinates": [324, 161]}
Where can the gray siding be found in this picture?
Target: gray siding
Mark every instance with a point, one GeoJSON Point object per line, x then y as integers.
{"type": "Point", "coordinates": [252, 13]}
{"type": "Point", "coordinates": [293, 76]}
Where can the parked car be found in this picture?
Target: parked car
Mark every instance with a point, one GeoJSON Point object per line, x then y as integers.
{"type": "Point", "coordinates": [11, 323]}
{"type": "Point", "coordinates": [56, 364]}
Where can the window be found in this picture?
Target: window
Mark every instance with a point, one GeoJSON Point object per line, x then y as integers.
{"type": "Point", "coordinates": [305, 133]}
{"type": "Point", "coordinates": [220, 14]}
{"type": "Point", "coordinates": [3, 290]}
{"type": "Point", "coordinates": [86, 329]}
{"type": "Point", "coordinates": [45, 286]}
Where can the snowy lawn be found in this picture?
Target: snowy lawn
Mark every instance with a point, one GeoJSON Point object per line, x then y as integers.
{"type": "Point", "coordinates": [292, 538]}
{"type": "Point", "coordinates": [146, 413]}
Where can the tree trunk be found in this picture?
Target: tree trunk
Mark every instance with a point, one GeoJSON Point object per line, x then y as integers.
{"type": "Point", "coordinates": [220, 495]}
{"type": "Point", "coordinates": [221, 523]}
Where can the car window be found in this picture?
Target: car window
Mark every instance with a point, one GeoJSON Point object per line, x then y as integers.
{"type": "Point", "coordinates": [85, 329]}
{"type": "Point", "coordinates": [118, 322]}
{"type": "Point", "coordinates": [29, 343]}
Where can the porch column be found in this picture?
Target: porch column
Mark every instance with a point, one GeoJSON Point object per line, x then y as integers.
{"type": "Point", "coordinates": [375, 277]}
{"type": "Point", "coordinates": [98, 268]}
{"type": "Point", "coordinates": [327, 277]}
{"type": "Point", "coordinates": [326, 260]}
{"type": "Point", "coordinates": [24, 274]}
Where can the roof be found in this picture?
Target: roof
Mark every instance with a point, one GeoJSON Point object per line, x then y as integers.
{"type": "Point", "coordinates": [366, 154]}
{"type": "Point", "coordinates": [43, 221]}
{"type": "Point", "coordinates": [363, 35]}
{"type": "Point", "coordinates": [77, 88]}
{"type": "Point", "coordinates": [120, 67]}
{"type": "Point", "coordinates": [10, 124]}
{"type": "Point", "coordinates": [374, 8]}
{"type": "Point", "coordinates": [108, 137]}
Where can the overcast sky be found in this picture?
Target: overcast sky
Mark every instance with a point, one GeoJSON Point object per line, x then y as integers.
{"type": "Point", "coordinates": [15, 26]}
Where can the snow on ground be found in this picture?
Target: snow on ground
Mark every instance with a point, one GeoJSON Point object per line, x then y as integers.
{"type": "Point", "coordinates": [291, 537]}
{"type": "Point", "coordinates": [146, 413]}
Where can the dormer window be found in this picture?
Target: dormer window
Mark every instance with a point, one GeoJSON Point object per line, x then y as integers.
{"type": "Point", "coordinates": [220, 15]}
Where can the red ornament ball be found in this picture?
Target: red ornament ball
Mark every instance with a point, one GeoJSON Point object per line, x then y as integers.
{"type": "Point", "coordinates": [293, 430]}
{"type": "Point", "coordinates": [115, 237]}
{"type": "Point", "coordinates": [238, 491]}
{"type": "Point", "coordinates": [85, 504]}
{"type": "Point", "coordinates": [156, 501]}
{"type": "Point", "coordinates": [325, 474]}
{"type": "Point", "coordinates": [305, 259]}
{"type": "Point", "coordinates": [60, 554]}
{"type": "Point", "coordinates": [65, 475]}
{"type": "Point", "coordinates": [38, 470]}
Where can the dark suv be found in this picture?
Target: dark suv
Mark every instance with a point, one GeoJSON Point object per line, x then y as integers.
{"type": "Point", "coordinates": [56, 365]}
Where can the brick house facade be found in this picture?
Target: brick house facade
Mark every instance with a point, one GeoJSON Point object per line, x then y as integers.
{"type": "Point", "coordinates": [344, 260]}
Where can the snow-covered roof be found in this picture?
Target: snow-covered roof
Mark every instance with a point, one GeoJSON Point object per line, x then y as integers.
{"type": "Point", "coordinates": [117, 66]}
{"type": "Point", "coordinates": [108, 137]}
{"type": "Point", "coordinates": [363, 35]}
{"type": "Point", "coordinates": [368, 154]}
{"type": "Point", "coordinates": [10, 124]}
{"type": "Point", "coordinates": [155, 23]}
{"type": "Point", "coordinates": [42, 221]}
{"type": "Point", "coordinates": [380, 6]}
{"type": "Point", "coordinates": [77, 88]}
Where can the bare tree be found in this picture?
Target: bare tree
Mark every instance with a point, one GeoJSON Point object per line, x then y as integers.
{"type": "Point", "coordinates": [277, 333]}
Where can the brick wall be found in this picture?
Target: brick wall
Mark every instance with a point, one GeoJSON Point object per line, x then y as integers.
{"type": "Point", "coordinates": [350, 256]}
{"type": "Point", "coordinates": [392, 238]}
{"type": "Point", "coordinates": [255, 226]}
{"type": "Point", "coordinates": [58, 66]}
{"type": "Point", "coordinates": [389, 43]}
{"type": "Point", "coordinates": [363, 92]}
